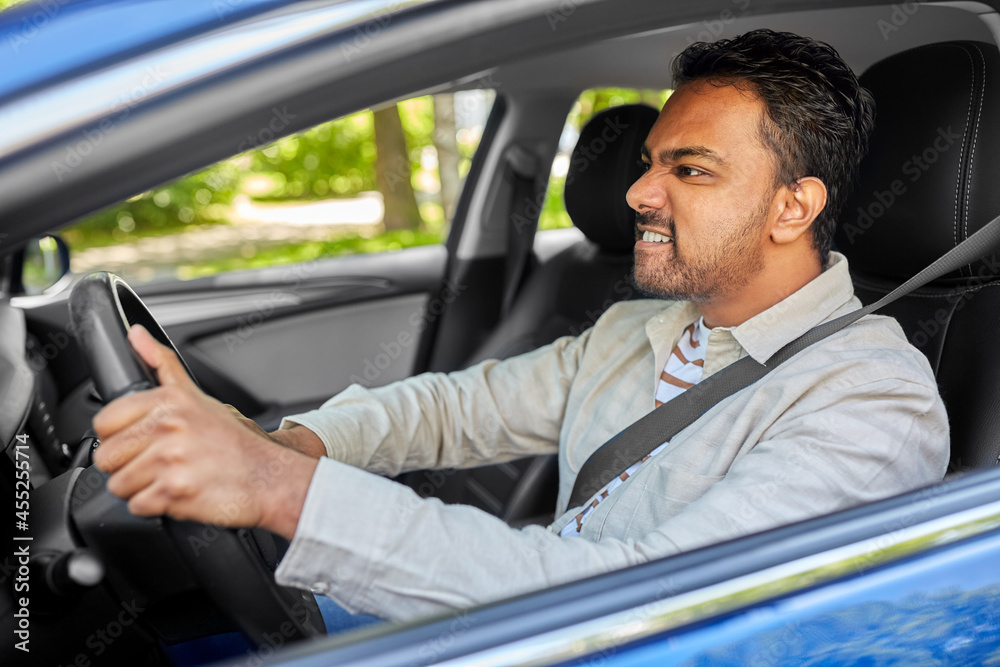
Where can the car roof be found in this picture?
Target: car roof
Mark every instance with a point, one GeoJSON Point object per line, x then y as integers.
{"type": "Point", "coordinates": [51, 41]}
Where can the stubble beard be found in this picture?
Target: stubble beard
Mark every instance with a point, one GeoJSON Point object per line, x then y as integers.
{"type": "Point", "coordinates": [704, 274]}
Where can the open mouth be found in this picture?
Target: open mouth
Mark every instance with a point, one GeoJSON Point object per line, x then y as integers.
{"type": "Point", "coordinates": [654, 237]}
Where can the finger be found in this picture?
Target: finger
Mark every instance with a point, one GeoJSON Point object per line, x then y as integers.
{"type": "Point", "coordinates": [140, 471]}
{"type": "Point", "coordinates": [131, 478]}
{"type": "Point", "coordinates": [151, 501]}
{"type": "Point", "coordinates": [125, 429]}
{"type": "Point", "coordinates": [164, 496]}
{"type": "Point", "coordinates": [125, 411]}
{"type": "Point", "coordinates": [169, 369]}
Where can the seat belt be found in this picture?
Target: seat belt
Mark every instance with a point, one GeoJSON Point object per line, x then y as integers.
{"type": "Point", "coordinates": [522, 172]}
{"type": "Point", "coordinates": [663, 423]}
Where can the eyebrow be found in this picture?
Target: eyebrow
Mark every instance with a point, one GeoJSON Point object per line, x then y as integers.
{"type": "Point", "coordinates": [677, 154]}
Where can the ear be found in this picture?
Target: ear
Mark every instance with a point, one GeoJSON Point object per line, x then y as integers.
{"type": "Point", "coordinates": [799, 204]}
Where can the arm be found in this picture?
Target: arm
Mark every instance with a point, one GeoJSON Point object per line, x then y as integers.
{"type": "Point", "coordinates": [887, 438]}
{"type": "Point", "coordinates": [174, 450]}
{"type": "Point", "coordinates": [494, 411]}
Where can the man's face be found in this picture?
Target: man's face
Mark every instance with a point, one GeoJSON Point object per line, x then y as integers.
{"type": "Point", "coordinates": [709, 188]}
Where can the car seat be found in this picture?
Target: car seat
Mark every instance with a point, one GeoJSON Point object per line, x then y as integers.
{"type": "Point", "coordinates": [928, 182]}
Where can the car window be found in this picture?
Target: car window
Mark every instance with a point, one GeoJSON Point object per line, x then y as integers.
{"type": "Point", "coordinates": [590, 102]}
{"type": "Point", "coordinates": [373, 181]}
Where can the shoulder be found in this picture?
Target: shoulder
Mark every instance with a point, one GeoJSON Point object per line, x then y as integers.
{"type": "Point", "coordinates": [873, 349]}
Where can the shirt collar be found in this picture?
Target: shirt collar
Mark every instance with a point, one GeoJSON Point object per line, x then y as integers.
{"type": "Point", "coordinates": [768, 331]}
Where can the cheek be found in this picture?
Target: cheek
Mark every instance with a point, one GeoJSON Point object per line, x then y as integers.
{"type": "Point", "coordinates": [696, 216]}
{"type": "Point", "coordinates": [704, 214]}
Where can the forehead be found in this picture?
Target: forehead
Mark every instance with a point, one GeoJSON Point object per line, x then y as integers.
{"type": "Point", "coordinates": [724, 119]}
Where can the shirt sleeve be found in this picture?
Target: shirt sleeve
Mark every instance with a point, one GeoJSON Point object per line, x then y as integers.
{"type": "Point", "coordinates": [376, 547]}
{"type": "Point", "coordinates": [494, 411]}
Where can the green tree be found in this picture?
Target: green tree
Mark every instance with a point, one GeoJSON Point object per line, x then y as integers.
{"type": "Point", "coordinates": [393, 174]}
{"type": "Point", "coordinates": [448, 157]}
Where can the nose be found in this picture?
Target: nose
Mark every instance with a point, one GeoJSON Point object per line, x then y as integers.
{"type": "Point", "coordinates": [646, 194]}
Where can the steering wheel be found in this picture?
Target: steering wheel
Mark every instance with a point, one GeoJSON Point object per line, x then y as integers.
{"type": "Point", "coordinates": [157, 559]}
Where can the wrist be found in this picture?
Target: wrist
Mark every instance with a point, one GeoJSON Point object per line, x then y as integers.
{"type": "Point", "coordinates": [300, 439]}
{"type": "Point", "coordinates": [285, 499]}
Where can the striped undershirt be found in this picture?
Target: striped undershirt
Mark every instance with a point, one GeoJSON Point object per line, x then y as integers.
{"type": "Point", "coordinates": [682, 370]}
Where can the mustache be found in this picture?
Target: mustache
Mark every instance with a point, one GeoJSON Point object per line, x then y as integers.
{"type": "Point", "coordinates": [657, 222]}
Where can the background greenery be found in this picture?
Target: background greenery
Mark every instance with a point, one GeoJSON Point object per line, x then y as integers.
{"type": "Point", "coordinates": [338, 159]}
{"type": "Point", "coordinates": [333, 160]}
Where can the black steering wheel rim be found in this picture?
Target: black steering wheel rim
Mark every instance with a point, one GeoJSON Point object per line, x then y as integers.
{"type": "Point", "coordinates": [234, 568]}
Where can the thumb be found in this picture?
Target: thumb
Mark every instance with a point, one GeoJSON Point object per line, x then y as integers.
{"type": "Point", "coordinates": [169, 369]}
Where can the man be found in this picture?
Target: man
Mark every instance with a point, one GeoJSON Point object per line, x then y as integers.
{"type": "Point", "coordinates": [748, 165]}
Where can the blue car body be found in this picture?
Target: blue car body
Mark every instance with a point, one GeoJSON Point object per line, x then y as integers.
{"type": "Point", "coordinates": [908, 580]}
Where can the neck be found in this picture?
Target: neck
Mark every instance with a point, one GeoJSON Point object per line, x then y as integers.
{"type": "Point", "coordinates": [779, 279]}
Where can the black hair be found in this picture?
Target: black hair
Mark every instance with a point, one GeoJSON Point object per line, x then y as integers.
{"type": "Point", "coordinates": [818, 120]}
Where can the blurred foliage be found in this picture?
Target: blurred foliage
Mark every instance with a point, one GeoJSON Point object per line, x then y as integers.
{"type": "Point", "coordinates": [353, 244]}
{"type": "Point", "coordinates": [332, 160]}
{"type": "Point", "coordinates": [201, 198]}
{"type": "Point", "coordinates": [335, 159]}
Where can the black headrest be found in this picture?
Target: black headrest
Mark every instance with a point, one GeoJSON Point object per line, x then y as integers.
{"type": "Point", "coordinates": [931, 175]}
{"type": "Point", "coordinates": [604, 165]}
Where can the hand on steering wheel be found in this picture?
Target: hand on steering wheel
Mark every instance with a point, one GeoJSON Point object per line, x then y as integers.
{"type": "Point", "coordinates": [183, 457]}
{"type": "Point", "coordinates": [174, 450]}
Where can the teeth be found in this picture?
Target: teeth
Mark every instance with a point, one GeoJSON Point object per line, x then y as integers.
{"type": "Point", "coordinates": [654, 237]}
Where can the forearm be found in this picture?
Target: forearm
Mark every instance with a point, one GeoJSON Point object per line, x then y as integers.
{"type": "Point", "coordinates": [488, 413]}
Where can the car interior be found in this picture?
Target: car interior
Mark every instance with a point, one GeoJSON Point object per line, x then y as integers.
{"type": "Point", "coordinates": [497, 289]}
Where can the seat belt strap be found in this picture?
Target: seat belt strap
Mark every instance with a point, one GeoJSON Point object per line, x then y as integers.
{"type": "Point", "coordinates": [663, 423]}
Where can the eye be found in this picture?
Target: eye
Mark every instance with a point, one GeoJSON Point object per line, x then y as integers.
{"type": "Point", "coordinates": [690, 171]}
{"type": "Point", "coordinates": [643, 165]}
